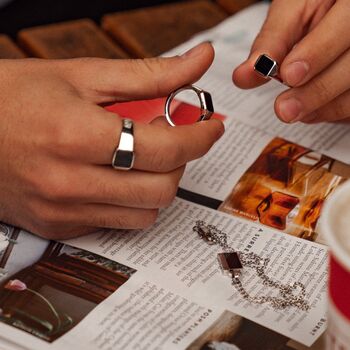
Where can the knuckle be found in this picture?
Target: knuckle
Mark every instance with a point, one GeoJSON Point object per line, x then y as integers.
{"type": "Point", "coordinates": [310, 121]}
{"type": "Point", "coordinates": [148, 65]}
{"type": "Point", "coordinates": [48, 232]}
{"type": "Point", "coordinates": [312, 118]}
{"type": "Point", "coordinates": [58, 232]}
{"type": "Point", "coordinates": [54, 186]}
{"type": "Point", "coordinates": [105, 222]}
{"type": "Point", "coordinates": [166, 195]}
{"type": "Point", "coordinates": [322, 91]}
{"type": "Point", "coordinates": [128, 220]}
{"type": "Point", "coordinates": [62, 140]}
{"type": "Point", "coordinates": [43, 215]}
{"type": "Point", "coordinates": [173, 152]}
{"type": "Point", "coordinates": [260, 37]}
{"type": "Point", "coordinates": [110, 194]}
{"type": "Point", "coordinates": [267, 34]}
{"type": "Point", "coordinates": [159, 159]}
{"type": "Point", "coordinates": [149, 69]}
{"type": "Point", "coordinates": [338, 110]}
{"type": "Point", "coordinates": [167, 154]}
{"type": "Point", "coordinates": [137, 194]}
{"type": "Point", "coordinates": [122, 220]}
{"type": "Point", "coordinates": [77, 62]}
{"type": "Point", "coordinates": [150, 218]}
{"type": "Point", "coordinates": [68, 67]}
{"type": "Point", "coordinates": [143, 196]}
{"type": "Point", "coordinates": [178, 154]}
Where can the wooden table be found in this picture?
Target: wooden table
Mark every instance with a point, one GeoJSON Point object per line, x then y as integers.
{"type": "Point", "coordinates": [139, 33]}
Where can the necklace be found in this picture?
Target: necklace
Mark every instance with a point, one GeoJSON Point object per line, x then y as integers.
{"type": "Point", "coordinates": [233, 262]}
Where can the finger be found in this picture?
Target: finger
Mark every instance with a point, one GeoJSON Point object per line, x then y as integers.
{"type": "Point", "coordinates": [337, 110]}
{"type": "Point", "coordinates": [322, 7]}
{"type": "Point", "coordinates": [143, 190]}
{"type": "Point", "coordinates": [109, 216]}
{"type": "Point", "coordinates": [297, 103]}
{"type": "Point", "coordinates": [157, 148]}
{"type": "Point", "coordinates": [103, 185]}
{"type": "Point", "coordinates": [280, 32]}
{"type": "Point", "coordinates": [160, 121]}
{"type": "Point", "coordinates": [63, 221]}
{"type": "Point", "coordinates": [318, 49]}
{"type": "Point", "coordinates": [60, 232]}
{"type": "Point", "coordinates": [103, 81]}
{"type": "Point", "coordinates": [160, 148]}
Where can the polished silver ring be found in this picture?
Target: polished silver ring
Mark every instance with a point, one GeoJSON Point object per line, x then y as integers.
{"type": "Point", "coordinates": [123, 157]}
{"type": "Point", "coordinates": [205, 100]}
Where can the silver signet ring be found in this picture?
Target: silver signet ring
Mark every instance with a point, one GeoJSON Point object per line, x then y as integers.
{"type": "Point", "coordinates": [205, 100]}
{"type": "Point", "coordinates": [123, 157]}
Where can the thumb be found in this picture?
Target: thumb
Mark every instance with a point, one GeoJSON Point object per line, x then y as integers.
{"type": "Point", "coordinates": [281, 31]}
{"type": "Point", "coordinates": [105, 81]}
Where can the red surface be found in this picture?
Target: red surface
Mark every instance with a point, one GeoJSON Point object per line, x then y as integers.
{"type": "Point", "coordinates": [146, 111]}
{"type": "Point", "coordinates": [339, 287]}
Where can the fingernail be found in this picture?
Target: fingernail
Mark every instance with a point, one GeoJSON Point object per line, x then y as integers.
{"type": "Point", "coordinates": [296, 72]}
{"type": "Point", "coordinates": [290, 110]}
{"type": "Point", "coordinates": [194, 51]}
{"type": "Point", "coordinates": [222, 130]}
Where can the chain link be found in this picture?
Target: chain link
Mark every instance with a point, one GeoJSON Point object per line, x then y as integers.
{"type": "Point", "coordinates": [289, 295]}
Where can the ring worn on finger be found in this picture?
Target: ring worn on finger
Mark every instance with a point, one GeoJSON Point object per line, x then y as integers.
{"type": "Point", "coordinates": [123, 157]}
{"type": "Point", "coordinates": [206, 103]}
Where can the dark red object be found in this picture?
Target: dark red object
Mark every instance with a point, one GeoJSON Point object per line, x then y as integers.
{"type": "Point", "coordinates": [339, 287]}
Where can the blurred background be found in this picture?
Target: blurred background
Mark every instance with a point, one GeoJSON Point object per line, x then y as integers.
{"type": "Point", "coordinates": [54, 29]}
{"type": "Point", "coordinates": [18, 14]}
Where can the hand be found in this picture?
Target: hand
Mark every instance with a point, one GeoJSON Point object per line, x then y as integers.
{"type": "Point", "coordinates": [56, 142]}
{"type": "Point", "coordinates": [311, 38]}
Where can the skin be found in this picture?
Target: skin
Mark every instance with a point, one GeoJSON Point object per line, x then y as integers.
{"type": "Point", "coordinates": [57, 142]}
{"type": "Point", "coordinates": [311, 41]}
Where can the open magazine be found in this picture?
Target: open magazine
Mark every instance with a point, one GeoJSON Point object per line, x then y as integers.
{"type": "Point", "coordinates": [264, 184]}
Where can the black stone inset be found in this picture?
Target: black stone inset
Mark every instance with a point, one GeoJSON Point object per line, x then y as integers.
{"type": "Point", "coordinates": [123, 159]}
{"type": "Point", "coordinates": [264, 64]}
{"type": "Point", "coordinates": [208, 102]}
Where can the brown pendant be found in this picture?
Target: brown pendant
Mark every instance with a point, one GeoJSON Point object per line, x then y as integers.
{"type": "Point", "coordinates": [230, 263]}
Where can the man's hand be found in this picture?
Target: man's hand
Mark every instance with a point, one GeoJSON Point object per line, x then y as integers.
{"type": "Point", "coordinates": [311, 41]}
{"type": "Point", "coordinates": [57, 143]}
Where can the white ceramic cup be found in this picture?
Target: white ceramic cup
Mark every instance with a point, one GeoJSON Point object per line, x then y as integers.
{"type": "Point", "coordinates": [335, 228]}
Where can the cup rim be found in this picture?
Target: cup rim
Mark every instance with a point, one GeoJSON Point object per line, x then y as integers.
{"type": "Point", "coordinates": [334, 243]}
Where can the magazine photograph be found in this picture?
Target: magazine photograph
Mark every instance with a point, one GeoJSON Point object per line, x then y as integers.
{"type": "Point", "coordinates": [285, 188]}
{"type": "Point", "coordinates": [53, 291]}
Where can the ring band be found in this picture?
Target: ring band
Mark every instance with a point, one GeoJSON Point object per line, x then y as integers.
{"type": "Point", "coordinates": [205, 100]}
{"type": "Point", "coordinates": [123, 157]}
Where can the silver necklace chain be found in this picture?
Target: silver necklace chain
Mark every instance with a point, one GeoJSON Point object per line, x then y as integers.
{"type": "Point", "coordinates": [233, 261]}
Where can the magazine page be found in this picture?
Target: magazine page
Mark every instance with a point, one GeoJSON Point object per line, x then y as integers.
{"type": "Point", "coordinates": [156, 288]}
{"type": "Point", "coordinates": [268, 180]}
{"type": "Point", "coordinates": [232, 40]}
{"type": "Point", "coordinates": [171, 255]}
{"type": "Point", "coordinates": [9, 345]}
{"type": "Point", "coordinates": [233, 332]}
{"type": "Point", "coordinates": [142, 315]}
{"type": "Point", "coordinates": [47, 288]}
{"type": "Point", "coordinates": [214, 175]}
{"type": "Point", "coordinates": [55, 296]}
